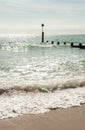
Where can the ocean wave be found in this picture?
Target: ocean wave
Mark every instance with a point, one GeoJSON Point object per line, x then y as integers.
{"type": "Point", "coordinates": [43, 88]}
{"type": "Point", "coordinates": [15, 46]}
{"type": "Point", "coordinates": [35, 103]}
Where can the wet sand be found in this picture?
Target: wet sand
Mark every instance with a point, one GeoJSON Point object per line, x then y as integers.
{"type": "Point", "coordinates": [60, 119]}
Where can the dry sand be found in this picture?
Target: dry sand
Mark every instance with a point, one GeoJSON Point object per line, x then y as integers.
{"type": "Point", "coordinates": [60, 119]}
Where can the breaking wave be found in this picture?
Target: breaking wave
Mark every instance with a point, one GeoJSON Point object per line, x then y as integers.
{"type": "Point", "coordinates": [24, 46]}
{"type": "Point", "coordinates": [43, 88]}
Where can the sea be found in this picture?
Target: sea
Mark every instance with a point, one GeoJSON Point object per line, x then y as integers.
{"type": "Point", "coordinates": [38, 77]}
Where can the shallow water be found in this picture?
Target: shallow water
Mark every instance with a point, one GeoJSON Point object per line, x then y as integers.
{"type": "Point", "coordinates": [35, 78]}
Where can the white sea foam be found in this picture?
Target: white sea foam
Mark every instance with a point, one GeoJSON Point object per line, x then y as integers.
{"type": "Point", "coordinates": [34, 103]}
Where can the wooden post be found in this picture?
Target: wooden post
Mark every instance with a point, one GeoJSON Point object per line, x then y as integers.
{"type": "Point", "coordinates": [71, 44]}
{"type": "Point", "coordinates": [58, 43]}
{"type": "Point", "coordinates": [64, 43]}
{"type": "Point", "coordinates": [80, 45]}
{"type": "Point", "coordinates": [52, 42]}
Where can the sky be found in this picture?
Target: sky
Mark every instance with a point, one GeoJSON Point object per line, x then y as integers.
{"type": "Point", "coordinates": [26, 16]}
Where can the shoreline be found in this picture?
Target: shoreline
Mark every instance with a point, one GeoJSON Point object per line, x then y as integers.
{"type": "Point", "coordinates": [60, 119]}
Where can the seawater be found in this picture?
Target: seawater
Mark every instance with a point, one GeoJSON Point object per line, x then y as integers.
{"type": "Point", "coordinates": [36, 78]}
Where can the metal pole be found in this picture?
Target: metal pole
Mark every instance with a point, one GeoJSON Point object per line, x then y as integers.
{"type": "Point", "coordinates": [42, 32]}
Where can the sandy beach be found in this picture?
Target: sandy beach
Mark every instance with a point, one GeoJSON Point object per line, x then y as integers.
{"type": "Point", "coordinates": [60, 119]}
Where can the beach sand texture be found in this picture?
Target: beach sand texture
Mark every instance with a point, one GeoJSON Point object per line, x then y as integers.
{"type": "Point", "coordinates": [60, 119]}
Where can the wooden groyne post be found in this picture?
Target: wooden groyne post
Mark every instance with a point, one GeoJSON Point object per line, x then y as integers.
{"type": "Point", "coordinates": [71, 44]}
{"type": "Point", "coordinates": [52, 42]}
{"type": "Point", "coordinates": [64, 43]}
{"type": "Point", "coordinates": [58, 43]}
